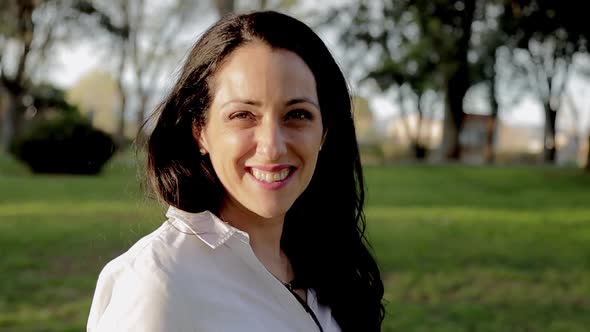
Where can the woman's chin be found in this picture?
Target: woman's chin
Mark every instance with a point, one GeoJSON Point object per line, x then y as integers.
{"type": "Point", "coordinates": [271, 212]}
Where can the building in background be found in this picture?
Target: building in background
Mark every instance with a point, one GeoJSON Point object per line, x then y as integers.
{"type": "Point", "coordinates": [475, 137]}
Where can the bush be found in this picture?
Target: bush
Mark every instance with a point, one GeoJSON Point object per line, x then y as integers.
{"type": "Point", "coordinates": [66, 143]}
{"type": "Point", "coordinates": [371, 153]}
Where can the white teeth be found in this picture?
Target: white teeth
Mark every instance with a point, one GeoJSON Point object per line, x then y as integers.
{"type": "Point", "coordinates": [270, 176]}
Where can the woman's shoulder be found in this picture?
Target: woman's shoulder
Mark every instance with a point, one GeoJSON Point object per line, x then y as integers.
{"type": "Point", "coordinates": [143, 254]}
{"type": "Point", "coordinates": [182, 243]}
{"type": "Point", "coordinates": [159, 250]}
{"type": "Point", "coordinates": [147, 278]}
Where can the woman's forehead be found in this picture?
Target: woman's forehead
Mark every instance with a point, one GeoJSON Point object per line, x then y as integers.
{"type": "Point", "coordinates": [259, 71]}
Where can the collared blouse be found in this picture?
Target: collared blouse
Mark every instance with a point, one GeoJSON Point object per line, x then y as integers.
{"type": "Point", "coordinates": [197, 273]}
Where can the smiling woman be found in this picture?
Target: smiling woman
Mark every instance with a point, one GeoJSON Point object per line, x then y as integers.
{"type": "Point", "coordinates": [254, 137]}
{"type": "Point", "coordinates": [263, 132]}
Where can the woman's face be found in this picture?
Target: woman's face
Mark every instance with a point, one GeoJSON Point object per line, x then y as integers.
{"type": "Point", "coordinates": [264, 129]}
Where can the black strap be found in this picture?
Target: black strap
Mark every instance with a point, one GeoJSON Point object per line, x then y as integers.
{"type": "Point", "coordinates": [291, 288]}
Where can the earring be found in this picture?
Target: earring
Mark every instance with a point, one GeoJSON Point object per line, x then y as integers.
{"type": "Point", "coordinates": [202, 151]}
{"type": "Point", "coordinates": [320, 148]}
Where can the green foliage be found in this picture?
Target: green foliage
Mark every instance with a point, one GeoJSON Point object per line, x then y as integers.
{"type": "Point", "coordinates": [423, 45]}
{"type": "Point", "coordinates": [527, 20]}
{"type": "Point", "coordinates": [66, 143]}
{"type": "Point", "coordinates": [417, 40]}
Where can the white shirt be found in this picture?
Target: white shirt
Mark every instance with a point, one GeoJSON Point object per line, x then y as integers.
{"type": "Point", "coordinates": [197, 273]}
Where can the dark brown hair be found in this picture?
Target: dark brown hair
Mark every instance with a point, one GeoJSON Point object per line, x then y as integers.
{"type": "Point", "coordinates": [323, 234]}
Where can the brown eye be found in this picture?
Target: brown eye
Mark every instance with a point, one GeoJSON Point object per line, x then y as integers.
{"type": "Point", "coordinates": [242, 115]}
{"type": "Point", "coordinates": [299, 114]}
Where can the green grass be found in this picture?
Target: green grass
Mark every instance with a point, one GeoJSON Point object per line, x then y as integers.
{"type": "Point", "coordinates": [482, 249]}
{"type": "Point", "coordinates": [460, 248]}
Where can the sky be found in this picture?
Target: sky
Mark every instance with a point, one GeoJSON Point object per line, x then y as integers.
{"type": "Point", "coordinates": [76, 60]}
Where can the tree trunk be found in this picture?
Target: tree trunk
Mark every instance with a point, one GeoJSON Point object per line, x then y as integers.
{"type": "Point", "coordinates": [419, 146]}
{"type": "Point", "coordinates": [9, 122]}
{"type": "Point", "coordinates": [492, 130]}
{"type": "Point", "coordinates": [457, 85]}
{"type": "Point", "coordinates": [549, 150]}
{"type": "Point", "coordinates": [588, 155]}
{"type": "Point", "coordinates": [121, 121]}
{"type": "Point", "coordinates": [143, 99]}
{"type": "Point", "coordinates": [450, 140]}
{"type": "Point", "coordinates": [12, 118]}
{"type": "Point", "coordinates": [120, 136]}
{"type": "Point", "coordinates": [429, 137]}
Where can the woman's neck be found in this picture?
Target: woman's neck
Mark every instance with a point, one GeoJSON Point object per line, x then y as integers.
{"type": "Point", "coordinates": [265, 239]}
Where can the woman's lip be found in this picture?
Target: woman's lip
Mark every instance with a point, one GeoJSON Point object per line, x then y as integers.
{"type": "Point", "coordinates": [275, 185]}
{"type": "Point", "coordinates": [270, 168]}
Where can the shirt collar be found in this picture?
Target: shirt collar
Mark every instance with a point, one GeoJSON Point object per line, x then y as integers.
{"type": "Point", "coordinates": [205, 225]}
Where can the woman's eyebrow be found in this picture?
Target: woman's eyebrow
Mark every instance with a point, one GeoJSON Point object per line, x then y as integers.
{"type": "Point", "coordinates": [258, 103]}
{"type": "Point", "coordinates": [242, 101]}
{"type": "Point", "coordinates": [301, 100]}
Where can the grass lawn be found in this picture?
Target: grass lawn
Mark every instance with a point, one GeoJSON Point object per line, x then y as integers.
{"type": "Point", "coordinates": [461, 248]}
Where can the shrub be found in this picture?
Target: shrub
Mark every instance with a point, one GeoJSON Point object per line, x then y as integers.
{"type": "Point", "coordinates": [66, 143]}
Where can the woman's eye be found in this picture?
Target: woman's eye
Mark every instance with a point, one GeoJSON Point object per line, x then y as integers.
{"type": "Point", "coordinates": [241, 115]}
{"type": "Point", "coordinates": [299, 115]}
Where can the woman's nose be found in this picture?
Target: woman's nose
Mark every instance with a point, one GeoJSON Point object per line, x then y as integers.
{"type": "Point", "coordinates": [271, 143]}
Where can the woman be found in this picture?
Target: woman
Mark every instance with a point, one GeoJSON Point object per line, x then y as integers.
{"type": "Point", "coordinates": [255, 152]}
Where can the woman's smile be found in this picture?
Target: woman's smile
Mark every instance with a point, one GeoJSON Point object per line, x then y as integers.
{"type": "Point", "coordinates": [272, 177]}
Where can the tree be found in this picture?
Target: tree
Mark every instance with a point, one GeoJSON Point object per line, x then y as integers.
{"type": "Point", "coordinates": [416, 78]}
{"type": "Point", "coordinates": [18, 27]}
{"type": "Point", "coordinates": [545, 35]}
{"type": "Point", "coordinates": [146, 41]}
{"type": "Point", "coordinates": [575, 111]}
{"type": "Point", "coordinates": [487, 39]}
{"type": "Point", "coordinates": [417, 41]}
{"type": "Point", "coordinates": [29, 30]}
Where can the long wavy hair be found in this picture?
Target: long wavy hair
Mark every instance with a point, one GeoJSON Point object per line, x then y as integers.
{"type": "Point", "coordinates": [324, 231]}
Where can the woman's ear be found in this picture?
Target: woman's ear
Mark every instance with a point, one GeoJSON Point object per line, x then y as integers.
{"type": "Point", "coordinates": [199, 137]}
{"type": "Point", "coordinates": [323, 138]}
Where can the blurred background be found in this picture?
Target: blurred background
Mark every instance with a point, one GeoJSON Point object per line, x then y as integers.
{"type": "Point", "coordinates": [473, 119]}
